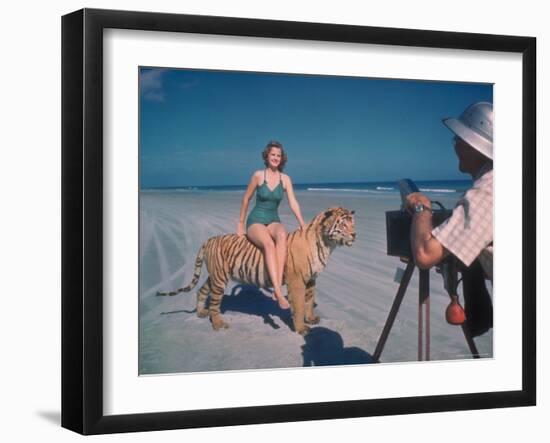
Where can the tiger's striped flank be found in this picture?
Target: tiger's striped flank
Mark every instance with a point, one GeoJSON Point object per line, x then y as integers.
{"type": "Point", "coordinates": [232, 257]}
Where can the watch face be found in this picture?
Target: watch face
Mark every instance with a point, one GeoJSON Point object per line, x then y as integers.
{"type": "Point", "coordinates": [419, 208]}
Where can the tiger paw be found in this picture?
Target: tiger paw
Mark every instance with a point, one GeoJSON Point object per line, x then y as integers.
{"type": "Point", "coordinates": [313, 320]}
{"type": "Point", "coordinates": [218, 323]}
{"type": "Point", "coordinates": [303, 331]}
{"type": "Point", "coordinates": [202, 313]}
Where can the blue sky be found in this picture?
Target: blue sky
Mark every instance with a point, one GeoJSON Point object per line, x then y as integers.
{"type": "Point", "coordinates": [202, 128]}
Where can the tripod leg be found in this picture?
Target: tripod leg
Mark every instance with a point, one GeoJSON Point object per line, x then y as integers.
{"type": "Point", "coordinates": [424, 302]}
{"type": "Point", "coordinates": [470, 340]}
{"type": "Point", "coordinates": [428, 328]}
{"type": "Point", "coordinates": [394, 309]}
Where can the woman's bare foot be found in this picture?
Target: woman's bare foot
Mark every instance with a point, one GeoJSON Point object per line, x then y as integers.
{"type": "Point", "coordinates": [283, 302]}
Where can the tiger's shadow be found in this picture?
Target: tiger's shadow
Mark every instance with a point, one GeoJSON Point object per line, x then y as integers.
{"type": "Point", "coordinates": [248, 299]}
{"type": "Point", "coordinates": [325, 347]}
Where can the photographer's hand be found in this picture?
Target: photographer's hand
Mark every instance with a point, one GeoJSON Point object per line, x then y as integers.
{"type": "Point", "coordinates": [427, 250]}
{"type": "Point", "coordinates": [415, 199]}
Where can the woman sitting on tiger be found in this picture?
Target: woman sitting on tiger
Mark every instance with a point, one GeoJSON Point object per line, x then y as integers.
{"type": "Point", "coordinates": [263, 225]}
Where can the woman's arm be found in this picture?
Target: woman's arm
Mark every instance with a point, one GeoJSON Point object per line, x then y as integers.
{"type": "Point", "coordinates": [292, 202]}
{"type": "Point", "coordinates": [244, 203]}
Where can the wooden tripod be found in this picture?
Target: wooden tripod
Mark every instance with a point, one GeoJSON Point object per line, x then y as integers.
{"type": "Point", "coordinates": [423, 324]}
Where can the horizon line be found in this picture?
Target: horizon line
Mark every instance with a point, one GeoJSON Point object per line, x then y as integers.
{"type": "Point", "coordinates": [305, 183]}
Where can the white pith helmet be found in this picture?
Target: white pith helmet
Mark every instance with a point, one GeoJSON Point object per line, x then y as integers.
{"type": "Point", "coordinates": [475, 127]}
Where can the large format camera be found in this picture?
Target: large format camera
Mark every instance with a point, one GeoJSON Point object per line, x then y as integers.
{"type": "Point", "coordinates": [479, 317]}
{"type": "Point", "coordinates": [398, 223]}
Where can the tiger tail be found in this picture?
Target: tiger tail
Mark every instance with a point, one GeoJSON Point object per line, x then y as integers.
{"type": "Point", "coordinates": [198, 267]}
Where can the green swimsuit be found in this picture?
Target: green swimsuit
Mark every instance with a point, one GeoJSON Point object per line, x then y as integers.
{"type": "Point", "coordinates": [267, 202]}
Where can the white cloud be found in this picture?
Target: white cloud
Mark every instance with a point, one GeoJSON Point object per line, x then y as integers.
{"type": "Point", "coordinates": [151, 85]}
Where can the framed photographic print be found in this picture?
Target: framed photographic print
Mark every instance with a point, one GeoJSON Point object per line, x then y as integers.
{"type": "Point", "coordinates": [269, 221]}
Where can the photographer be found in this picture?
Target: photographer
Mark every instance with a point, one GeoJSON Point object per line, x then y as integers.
{"type": "Point", "coordinates": [468, 233]}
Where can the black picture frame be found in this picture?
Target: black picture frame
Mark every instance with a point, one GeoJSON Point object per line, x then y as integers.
{"type": "Point", "coordinates": [82, 218]}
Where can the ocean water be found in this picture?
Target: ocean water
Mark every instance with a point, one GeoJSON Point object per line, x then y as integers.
{"type": "Point", "coordinates": [448, 188]}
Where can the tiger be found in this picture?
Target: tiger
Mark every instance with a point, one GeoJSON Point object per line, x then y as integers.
{"type": "Point", "coordinates": [234, 257]}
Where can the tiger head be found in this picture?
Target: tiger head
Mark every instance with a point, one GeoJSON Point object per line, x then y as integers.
{"type": "Point", "coordinates": [338, 226]}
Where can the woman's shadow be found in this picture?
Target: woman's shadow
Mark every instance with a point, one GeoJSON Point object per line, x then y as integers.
{"type": "Point", "coordinates": [248, 299]}
{"type": "Point", "coordinates": [324, 347]}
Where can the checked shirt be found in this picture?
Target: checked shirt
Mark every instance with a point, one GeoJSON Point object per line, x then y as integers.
{"type": "Point", "coordinates": [468, 233]}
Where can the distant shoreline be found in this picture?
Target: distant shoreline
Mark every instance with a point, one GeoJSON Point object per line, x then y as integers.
{"type": "Point", "coordinates": [433, 186]}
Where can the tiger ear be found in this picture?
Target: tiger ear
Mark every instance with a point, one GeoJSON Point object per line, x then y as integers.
{"type": "Point", "coordinates": [328, 213]}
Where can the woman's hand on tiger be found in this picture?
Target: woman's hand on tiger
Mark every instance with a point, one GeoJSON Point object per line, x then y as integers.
{"type": "Point", "coordinates": [240, 229]}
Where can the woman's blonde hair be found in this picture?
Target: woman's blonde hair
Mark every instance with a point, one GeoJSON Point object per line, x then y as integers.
{"type": "Point", "coordinates": [267, 150]}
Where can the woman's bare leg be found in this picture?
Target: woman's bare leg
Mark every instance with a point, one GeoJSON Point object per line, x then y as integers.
{"type": "Point", "coordinates": [279, 236]}
{"type": "Point", "coordinates": [260, 236]}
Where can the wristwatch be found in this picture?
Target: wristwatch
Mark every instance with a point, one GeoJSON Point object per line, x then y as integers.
{"type": "Point", "coordinates": [420, 207]}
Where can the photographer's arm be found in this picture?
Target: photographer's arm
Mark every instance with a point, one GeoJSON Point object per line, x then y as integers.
{"type": "Point", "coordinates": [427, 250]}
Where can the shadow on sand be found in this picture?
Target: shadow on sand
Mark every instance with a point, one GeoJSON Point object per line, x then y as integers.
{"type": "Point", "coordinates": [250, 300]}
{"type": "Point", "coordinates": [324, 347]}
